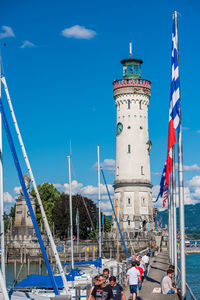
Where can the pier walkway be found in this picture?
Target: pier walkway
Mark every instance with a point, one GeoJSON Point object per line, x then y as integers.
{"type": "Point", "coordinates": [159, 264]}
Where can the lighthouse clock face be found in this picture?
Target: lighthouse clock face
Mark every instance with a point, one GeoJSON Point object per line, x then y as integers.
{"type": "Point", "coordinates": [119, 128]}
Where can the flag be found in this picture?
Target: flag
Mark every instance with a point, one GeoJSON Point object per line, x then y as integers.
{"type": "Point", "coordinates": [163, 186]}
{"type": "Point", "coordinates": [174, 107]}
{"type": "Point", "coordinates": [162, 183]}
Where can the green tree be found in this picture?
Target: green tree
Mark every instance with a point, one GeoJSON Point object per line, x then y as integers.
{"type": "Point", "coordinates": [8, 218]}
{"type": "Point", "coordinates": [62, 216]}
{"type": "Point", "coordinates": [107, 224]}
{"type": "Point", "coordinates": [49, 195]}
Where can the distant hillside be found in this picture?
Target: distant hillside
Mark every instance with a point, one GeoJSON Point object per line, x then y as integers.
{"type": "Point", "coordinates": [192, 218]}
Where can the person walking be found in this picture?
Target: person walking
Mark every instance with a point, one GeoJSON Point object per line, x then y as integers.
{"type": "Point", "coordinates": [142, 265]}
{"type": "Point", "coordinates": [117, 289]}
{"type": "Point", "coordinates": [106, 273]}
{"type": "Point", "coordinates": [145, 259]}
{"type": "Point", "coordinates": [102, 291]}
{"type": "Point", "coordinates": [132, 277]}
{"type": "Point", "coordinates": [141, 275]}
{"type": "Point", "coordinates": [95, 283]}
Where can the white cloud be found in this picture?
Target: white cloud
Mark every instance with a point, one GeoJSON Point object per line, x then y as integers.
{"type": "Point", "coordinates": [189, 197]}
{"type": "Point", "coordinates": [17, 189]}
{"type": "Point", "coordinates": [76, 187]}
{"type": "Point", "coordinates": [106, 208]}
{"type": "Point", "coordinates": [156, 173]}
{"type": "Point", "coordinates": [27, 44]}
{"type": "Point", "coordinates": [185, 128]}
{"type": "Point", "coordinates": [89, 191]}
{"type": "Point", "coordinates": [108, 164]}
{"type": "Point", "coordinates": [193, 167]}
{"type": "Point", "coordinates": [6, 32]}
{"type": "Point", "coordinates": [194, 182]}
{"type": "Point", "coordinates": [93, 190]}
{"type": "Point", "coordinates": [78, 32]}
{"type": "Point", "coordinates": [8, 198]}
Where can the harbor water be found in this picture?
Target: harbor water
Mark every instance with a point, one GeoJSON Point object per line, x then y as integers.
{"type": "Point", "coordinates": [192, 273]}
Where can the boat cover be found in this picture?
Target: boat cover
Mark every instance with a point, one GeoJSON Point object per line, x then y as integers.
{"type": "Point", "coordinates": [97, 263]}
{"type": "Point", "coordinates": [44, 281]}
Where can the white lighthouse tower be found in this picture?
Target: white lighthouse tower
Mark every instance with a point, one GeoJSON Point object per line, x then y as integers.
{"type": "Point", "coordinates": [132, 186]}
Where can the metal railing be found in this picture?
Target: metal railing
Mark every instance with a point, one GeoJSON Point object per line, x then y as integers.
{"type": "Point", "coordinates": [189, 293]}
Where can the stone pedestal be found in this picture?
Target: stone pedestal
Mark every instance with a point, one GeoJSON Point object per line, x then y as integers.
{"type": "Point", "coordinates": [23, 227]}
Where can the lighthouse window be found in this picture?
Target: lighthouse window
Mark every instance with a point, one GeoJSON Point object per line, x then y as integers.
{"type": "Point", "coordinates": [129, 104]}
{"type": "Point", "coordinates": [141, 127]}
{"type": "Point", "coordinates": [129, 200]}
{"type": "Point", "coordinates": [129, 148]}
{"type": "Point", "coordinates": [129, 222]}
{"type": "Point", "coordinates": [117, 171]}
{"type": "Point", "coordinates": [129, 127]}
{"type": "Point", "coordinates": [142, 170]}
{"type": "Point", "coordinates": [140, 104]}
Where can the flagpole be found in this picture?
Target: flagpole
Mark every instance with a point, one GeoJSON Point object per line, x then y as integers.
{"type": "Point", "coordinates": [169, 225]}
{"type": "Point", "coordinates": [99, 200]}
{"type": "Point", "coordinates": [70, 207]}
{"type": "Point", "coordinates": [77, 226]}
{"type": "Point", "coordinates": [181, 193]}
{"type": "Point", "coordinates": [172, 219]}
{"type": "Point", "coordinates": [1, 195]}
{"type": "Point", "coordinates": [174, 212]}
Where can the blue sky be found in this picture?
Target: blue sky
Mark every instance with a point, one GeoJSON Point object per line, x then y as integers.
{"type": "Point", "coordinates": [60, 61]}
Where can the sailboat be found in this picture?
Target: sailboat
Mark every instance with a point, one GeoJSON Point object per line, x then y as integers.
{"type": "Point", "coordinates": [65, 288]}
{"type": "Point", "coordinates": [48, 286]}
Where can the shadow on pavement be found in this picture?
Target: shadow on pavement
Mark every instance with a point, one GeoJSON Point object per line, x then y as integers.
{"type": "Point", "coordinates": [152, 280]}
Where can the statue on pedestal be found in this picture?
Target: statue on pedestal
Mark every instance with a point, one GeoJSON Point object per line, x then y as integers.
{"type": "Point", "coordinates": [23, 226]}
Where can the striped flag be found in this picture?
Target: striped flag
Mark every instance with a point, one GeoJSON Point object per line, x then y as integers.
{"type": "Point", "coordinates": [174, 106]}
{"type": "Point", "coordinates": [174, 115]}
{"type": "Point", "coordinates": [163, 187]}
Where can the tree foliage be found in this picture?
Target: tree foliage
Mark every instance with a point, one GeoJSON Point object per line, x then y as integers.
{"type": "Point", "coordinates": [49, 195]}
{"type": "Point", "coordinates": [62, 216]}
{"type": "Point", "coordinates": [56, 207]}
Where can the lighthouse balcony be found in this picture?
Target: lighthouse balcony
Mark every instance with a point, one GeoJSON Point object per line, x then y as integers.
{"type": "Point", "coordinates": [130, 82]}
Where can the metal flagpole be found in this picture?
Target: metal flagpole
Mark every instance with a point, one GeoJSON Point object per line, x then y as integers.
{"type": "Point", "coordinates": [169, 225]}
{"type": "Point", "coordinates": [1, 195]}
{"type": "Point", "coordinates": [172, 219]}
{"type": "Point", "coordinates": [48, 230]}
{"type": "Point", "coordinates": [181, 192]}
{"type": "Point", "coordinates": [77, 220]}
{"type": "Point", "coordinates": [99, 200]}
{"type": "Point", "coordinates": [70, 207]}
{"type": "Point", "coordinates": [174, 212]}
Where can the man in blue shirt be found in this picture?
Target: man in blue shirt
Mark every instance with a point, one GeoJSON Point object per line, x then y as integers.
{"type": "Point", "coordinates": [118, 293]}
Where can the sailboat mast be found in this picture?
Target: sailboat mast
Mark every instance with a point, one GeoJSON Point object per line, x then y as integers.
{"type": "Point", "coordinates": [1, 195]}
{"type": "Point", "coordinates": [70, 208]}
{"type": "Point", "coordinates": [47, 228]}
{"type": "Point", "coordinates": [99, 200]}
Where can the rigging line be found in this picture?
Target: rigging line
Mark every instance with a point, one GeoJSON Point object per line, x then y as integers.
{"type": "Point", "coordinates": [114, 213]}
{"type": "Point", "coordinates": [74, 173]}
{"type": "Point", "coordinates": [26, 195]}
{"type": "Point", "coordinates": [92, 224]}
{"type": "Point", "coordinates": [49, 234]}
{"type": "Point", "coordinates": [130, 242]}
{"type": "Point", "coordinates": [20, 269]}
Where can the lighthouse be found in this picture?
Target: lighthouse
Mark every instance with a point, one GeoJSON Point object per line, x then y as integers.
{"type": "Point", "coordinates": [132, 186]}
